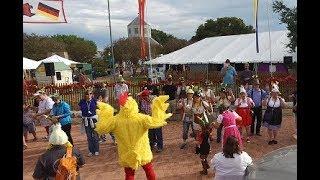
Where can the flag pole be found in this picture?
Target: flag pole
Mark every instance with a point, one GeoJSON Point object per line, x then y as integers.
{"type": "Point", "coordinates": [111, 41]}
{"type": "Point", "coordinates": [270, 57]}
{"type": "Point", "coordinates": [149, 39]}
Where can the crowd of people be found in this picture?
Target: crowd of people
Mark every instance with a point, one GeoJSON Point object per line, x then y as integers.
{"type": "Point", "coordinates": [200, 109]}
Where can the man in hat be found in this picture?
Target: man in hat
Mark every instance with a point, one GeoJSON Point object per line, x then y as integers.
{"type": "Point", "coordinates": [257, 95]}
{"type": "Point", "coordinates": [61, 111]}
{"type": "Point", "coordinates": [246, 75]}
{"type": "Point", "coordinates": [44, 108]}
{"type": "Point", "coordinates": [47, 164]}
{"type": "Point", "coordinates": [120, 87]}
{"type": "Point", "coordinates": [229, 74]}
{"type": "Point", "coordinates": [170, 89]}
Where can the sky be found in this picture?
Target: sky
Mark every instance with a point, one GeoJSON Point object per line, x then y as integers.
{"type": "Point", "coordinates": [181, 18]}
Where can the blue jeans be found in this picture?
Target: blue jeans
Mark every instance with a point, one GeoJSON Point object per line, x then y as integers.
{"type": "Point", "coordinates": [155, 136]}
{"type": "Point", "coordinates": [186, 125]}
{"type": "Point", "coordinates": [93, 139]}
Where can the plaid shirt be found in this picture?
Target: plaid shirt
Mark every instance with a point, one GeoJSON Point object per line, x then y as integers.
{"type": "Point", "coordinates": [145, 106]}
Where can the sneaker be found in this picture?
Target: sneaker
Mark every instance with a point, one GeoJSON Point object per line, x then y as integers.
{"type": "Point", "coordinates": [96, 153]}
{"type": "Point", "coordinates": [90, 154]}
{"type": "Point", "coordinates": [275, 142]}
{"type": "Point", "coordinates": [270, 142]}
{"type": "Point", "coordinates": [183, 145]}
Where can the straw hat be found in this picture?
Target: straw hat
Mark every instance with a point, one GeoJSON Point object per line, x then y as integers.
{"type": "Point", "coordinates": [58, 136]}
{"type": "Point", "coordinates": [190, 91]}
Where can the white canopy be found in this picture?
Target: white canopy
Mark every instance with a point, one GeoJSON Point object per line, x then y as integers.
{"type": "Point", "coordinates": [237, 48]}
{"type": "Point", "coordinates": [56, 58]}
{"type": "Point", "coordinates": [30, 64]}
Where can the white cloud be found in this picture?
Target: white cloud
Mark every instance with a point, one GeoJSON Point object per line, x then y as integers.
{"type": "Point", "coordinates": [89, 18]}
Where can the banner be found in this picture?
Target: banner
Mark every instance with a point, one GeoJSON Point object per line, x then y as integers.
{"type": "Point", "coordinates": [43, 11]}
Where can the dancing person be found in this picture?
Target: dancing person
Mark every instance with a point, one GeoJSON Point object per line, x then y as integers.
{"type": "Point", "coordinates": [28, 122]}
{"type": "Point", "coordinates": [258, 96]}
{"type": "Point", "coordinates": [44, 108]}
{"type": "Point", "coordinates": [88, 106]}
{"type": "Point", "coordinates": [244, 105]}
{"type": "Point", "coordinates": [120, 87]}
{"type": "Point", "coordinates": [131, 131]}
{"type": "Point", "coordinates": [273, 115]}
{"type": "Point", "coordinates": [61, 110]}
{"type": "Point", "coordinates": [204, 148]}
{"type": "Point", "coordinates": [232, 162]}
{"type": "Point", "coordinates": [226, 97]}
{"type": "Point", "coordinates": [228, 119]}
{"type": "Point", "coordinates": [187, 117]}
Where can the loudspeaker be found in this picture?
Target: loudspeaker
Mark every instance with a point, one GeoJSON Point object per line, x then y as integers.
{"type": "Point", "coordinates": [49, 68]}
{"type": "Point", "coordinates": [287, 60]}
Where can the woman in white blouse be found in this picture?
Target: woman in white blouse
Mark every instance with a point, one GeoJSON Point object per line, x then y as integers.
{"type": "Point", "coordinates": [231, 163]}
{"type": "Point", "coordinates": [273, 116]}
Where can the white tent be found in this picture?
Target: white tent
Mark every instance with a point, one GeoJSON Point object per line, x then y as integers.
{"type": "Point", "coordinates": [237, 48]}
{"type": "Point", "coordinates": [56, 58]}
{"type": "Point", "coordinates": [30, 64]}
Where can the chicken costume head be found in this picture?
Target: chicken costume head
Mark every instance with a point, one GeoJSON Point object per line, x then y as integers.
{"type": "Point", "coordinates": [131, 128]}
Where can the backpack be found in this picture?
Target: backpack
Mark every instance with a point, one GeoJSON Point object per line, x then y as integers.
{"type": "Point", "coordinates": [67, 169]}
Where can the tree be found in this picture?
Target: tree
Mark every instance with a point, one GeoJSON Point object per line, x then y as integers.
{"type": "Point", "coordinates": [288, 17]}
{"type": "Point", "coordinates": [160, 36]}
{"type": "Point", "coordinates": [174, 44]}
{"type": "Point", "coordinates": [168, 41]}
{"type": "Point", "coordinates": [79, 49]}
{"type": "Point", "coordinates": [37, 47]}
{"type": "Point", "coordinates": [222, 27]}
{"type": "Point", "coordinates": [129, 49]}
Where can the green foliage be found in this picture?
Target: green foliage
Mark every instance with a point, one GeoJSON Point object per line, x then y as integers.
{"type": "Point", "coordinates": [289, 17]}
{"type": "Point", "coordinates": [222, 27]}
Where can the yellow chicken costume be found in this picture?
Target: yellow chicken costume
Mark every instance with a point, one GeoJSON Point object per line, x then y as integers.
{"type": "Point", "coordinates": [131, 131]}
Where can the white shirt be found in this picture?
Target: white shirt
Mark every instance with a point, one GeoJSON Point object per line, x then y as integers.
{"type": "Point", "coordinates": [244, 103]}
{"type": "Point", "coordinates": [276, 103]}
{"type": "Point", "coordinates": [230, 166]}
{"type": "Point", "coordinates": [220, 117]}
{"type": "Point", "coordinates": [45, 105]}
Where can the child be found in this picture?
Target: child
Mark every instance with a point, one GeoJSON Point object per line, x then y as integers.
{"type": "Point", "coordinates": [28, 123]}
{"type": "Point", "coordinates": [244, 105]}
{"type": "Point", "coordinates": [228, 119]}
{"type": "Point", "coordinates": [204, 148]}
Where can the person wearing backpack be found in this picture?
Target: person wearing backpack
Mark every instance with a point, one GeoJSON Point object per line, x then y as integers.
{"type": "Point", "coordinates": [60, 160]}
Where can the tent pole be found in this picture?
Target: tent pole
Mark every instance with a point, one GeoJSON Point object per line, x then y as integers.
{"type": "Point", "coordinates": [207, 71]}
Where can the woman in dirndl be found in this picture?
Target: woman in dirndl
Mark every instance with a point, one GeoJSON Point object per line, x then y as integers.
{"type": "Point", "coordinates": [273, 116]}
{"type": "Point", "coordinates": [244, 105]}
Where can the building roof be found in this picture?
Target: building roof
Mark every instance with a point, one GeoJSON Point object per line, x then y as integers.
{"type": "Point", "coordinates": [136, 22]}
{"type": "Point", "coordinates": [56, 58]}
{"type": "Point", "coordinates": [30, 64]}
{"type": "Point", "coordinates": [238, 48]}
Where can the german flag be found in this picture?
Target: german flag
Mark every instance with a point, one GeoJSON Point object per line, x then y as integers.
{"type": "Point", "coordinates": [48, 11]}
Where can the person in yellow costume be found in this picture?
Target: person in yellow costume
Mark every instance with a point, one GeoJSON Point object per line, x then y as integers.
{"type": "Point", "coordinates": [131, 131]}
